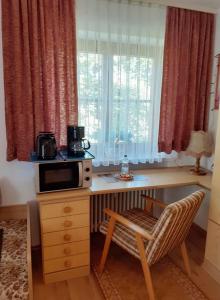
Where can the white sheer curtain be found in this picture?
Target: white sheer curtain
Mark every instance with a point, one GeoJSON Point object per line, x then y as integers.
{"type": "Point", "coordinates": [120, 56]}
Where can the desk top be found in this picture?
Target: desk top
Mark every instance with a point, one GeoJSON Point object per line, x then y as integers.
{"type": "Point", "coordinates": [151, 179]}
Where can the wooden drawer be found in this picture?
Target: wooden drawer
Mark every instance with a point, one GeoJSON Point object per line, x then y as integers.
{"type": "Point", "coordinates": [66, 263]}
{"type": "Point", "coordinates": [66, 274]}
{"type": "Point", "coordinates": [62, 223]}
{"type": "Point", "coordinates": [66, 236]}
{"type": "Point", "coordinates": [74, 248]}
{"type": "Point", "coordinates": [65, 208]}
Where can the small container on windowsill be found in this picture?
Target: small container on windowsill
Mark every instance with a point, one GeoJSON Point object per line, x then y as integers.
{"type": "Point", "coordinates": [124, 174]}
{"type": "Point", "coordinates": [124, 177]}
{"type": "Point", "coordinates": [125, 166]}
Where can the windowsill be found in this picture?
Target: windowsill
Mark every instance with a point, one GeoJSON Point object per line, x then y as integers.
{"type": "Point", "coordinates": [179, 161]}
{"type": "Point", "coordinates": [140, 166]}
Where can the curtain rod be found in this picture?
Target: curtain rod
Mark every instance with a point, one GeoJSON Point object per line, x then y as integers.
{"type": "Point", "coordinates": [138, 2]}
{"type": "Point", "coordinates": [164, 3]}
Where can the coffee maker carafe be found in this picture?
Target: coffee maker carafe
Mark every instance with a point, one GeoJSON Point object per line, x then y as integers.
{"type": "Point", "coordinates": [76, 143]}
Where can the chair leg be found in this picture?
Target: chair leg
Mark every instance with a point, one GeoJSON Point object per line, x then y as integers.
{"type": "Point", "coordinates": [108, 238]}
{"type": "Point", "coordinates": [145, 267]}
{"type": "Point", "coordinates": [185, 258]}
{"type": "Point", "coordinates": [148, 205]}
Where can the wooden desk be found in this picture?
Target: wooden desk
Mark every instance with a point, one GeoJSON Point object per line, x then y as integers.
{"type": "Point", "coordinates": [154, 179]}
{"type": "Point", "coordinates": [64, 218]}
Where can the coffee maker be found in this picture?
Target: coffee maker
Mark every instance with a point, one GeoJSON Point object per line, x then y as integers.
{"type": "Point", "coordinates": [76, 143]}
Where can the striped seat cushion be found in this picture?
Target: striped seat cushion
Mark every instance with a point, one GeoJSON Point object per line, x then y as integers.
{"type": "Point", "coordinates": [125, 237]}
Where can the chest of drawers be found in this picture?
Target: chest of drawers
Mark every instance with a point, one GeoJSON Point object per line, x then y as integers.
{"type": "Point", "coordinates": [64, 220]}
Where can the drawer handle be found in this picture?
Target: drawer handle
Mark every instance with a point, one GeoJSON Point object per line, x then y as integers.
{"type": "Point", "coordinates": [67, 251]}
{"type": "Point", "coordinates": [67, 209]}
{"type": "Point", "coordinates": [67, 223]}
{"type": "Point", "coordinates": [67, 237]}
{"type": "Point", "coordinates": [67, 263]}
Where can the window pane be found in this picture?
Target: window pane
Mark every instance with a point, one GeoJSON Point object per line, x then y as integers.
{"type": "Point", "coordinates": [132, 79]}
{"type": "Point", "coordinates": [120, 46]}
{"type": "Point", "coordinates": [90, 77]}
{"type": "Point", "coordinates": [115, 104]}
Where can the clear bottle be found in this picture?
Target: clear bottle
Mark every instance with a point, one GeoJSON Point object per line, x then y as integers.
{"type": "Point", "coordinates": [125, 166]}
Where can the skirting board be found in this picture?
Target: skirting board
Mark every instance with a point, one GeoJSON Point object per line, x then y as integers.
{"type": "Point", "coordinates": [212, 270]}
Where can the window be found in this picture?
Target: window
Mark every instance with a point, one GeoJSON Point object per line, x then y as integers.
{"type": "Point", "coordinates": [119, 84]}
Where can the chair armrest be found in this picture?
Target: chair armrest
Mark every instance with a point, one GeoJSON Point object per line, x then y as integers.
{"type": "Point", "coordinates": [136, 228]}
{"type": "Point", "coordinates": [154, 201]}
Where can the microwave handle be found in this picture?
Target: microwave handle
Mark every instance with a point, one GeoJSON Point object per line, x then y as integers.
{"type": "Point", "coordinates": [80, 173]}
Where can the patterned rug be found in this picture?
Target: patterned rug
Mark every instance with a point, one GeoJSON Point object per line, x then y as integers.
{"type": "Point", "coordinates": [1, 237]}
{"type": "Point", "coordinates": [123, 277]}
{"type": "Point", "coordinates": [13, 265]}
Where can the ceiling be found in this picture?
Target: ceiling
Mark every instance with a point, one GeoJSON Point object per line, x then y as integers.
{"type": "Point", "coordinates": [202, 5]}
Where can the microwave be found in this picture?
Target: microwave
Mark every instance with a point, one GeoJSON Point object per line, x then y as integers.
{"type": "Point", "coordinates": [58, 175]}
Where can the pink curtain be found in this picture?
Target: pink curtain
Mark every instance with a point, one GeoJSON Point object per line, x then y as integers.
{"type": "Point", "coordinates": [39, 51]}
{"type": "Point", "coordinates": [186, 77]}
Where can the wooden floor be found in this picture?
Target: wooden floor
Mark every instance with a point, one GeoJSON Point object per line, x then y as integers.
{"type": "Point", "coordinates": [88, 289]}
{"type": "Point", "coordinates": [84, 288]}
{"type": "Point", "coordinates": [196, 249]}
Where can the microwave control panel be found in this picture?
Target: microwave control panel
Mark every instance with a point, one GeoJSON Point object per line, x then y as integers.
{"type": "Point", "coordinates": [87, 173]}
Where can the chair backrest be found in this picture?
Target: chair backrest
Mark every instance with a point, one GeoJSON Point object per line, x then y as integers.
{"type": "Point", "coordinates": [173, 226]}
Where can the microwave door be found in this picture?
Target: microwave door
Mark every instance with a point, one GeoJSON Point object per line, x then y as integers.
{"type": "Point", "coordinates": [60, 176]}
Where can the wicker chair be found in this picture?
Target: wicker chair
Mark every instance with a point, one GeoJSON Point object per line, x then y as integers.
{"type": "Point", "coordinates": [148, 238]}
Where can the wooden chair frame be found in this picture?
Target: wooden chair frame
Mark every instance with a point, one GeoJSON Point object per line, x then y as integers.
{"type": "Point", "coordinates": [140, 234]}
